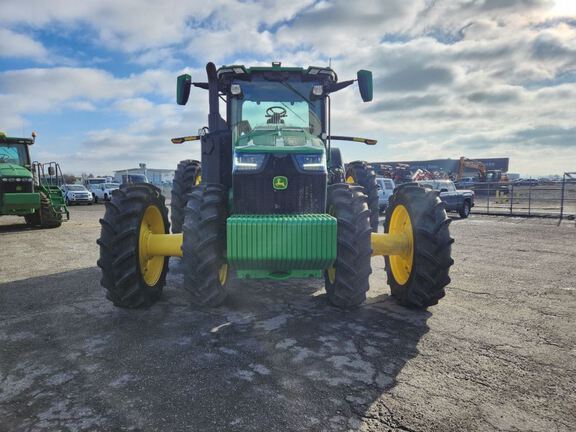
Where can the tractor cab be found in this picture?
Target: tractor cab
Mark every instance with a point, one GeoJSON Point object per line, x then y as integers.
{"type": "Point", "coordinates": [276, 111]}
{"type": "Point", "coordinates": [16, 182]}
{"type": "Point", "coordinates": [14, 153]}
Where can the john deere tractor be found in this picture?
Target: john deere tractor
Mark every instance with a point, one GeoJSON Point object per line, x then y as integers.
{"type": "Point", "coordinates": [29, 189]}
{"type": "Point", "coordinates": [271, 199]}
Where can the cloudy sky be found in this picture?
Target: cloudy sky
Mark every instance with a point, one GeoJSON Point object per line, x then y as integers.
{"type": "Point", "coordinates": [480, 78]}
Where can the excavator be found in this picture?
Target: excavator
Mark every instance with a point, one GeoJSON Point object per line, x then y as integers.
{"type": "Point", "coordinates": [484, 175]}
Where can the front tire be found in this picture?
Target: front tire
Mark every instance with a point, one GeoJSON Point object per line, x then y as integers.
{"type": "Point", "coordinates": [204, 245]}
{"type": "Point", "coordinates": [465, 210]}
{"type": "Point", "coordinates": [133, 280]}
{"type": "Point", "coordinates": [49, 218]}
{"type": "Point", "coordinates": [348, 280]}
{"type": "Point", "coordinates": [187, 175]}
{"type": "Point", "coordinates": [418, 279]}
{"type": "Point", "coordinates": [32, 219]}
{"type": "Point", "coordinates": [361, 173]}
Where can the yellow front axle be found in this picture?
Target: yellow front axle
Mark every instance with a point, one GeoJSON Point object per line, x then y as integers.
{"type": "Point", "coordinates": [164, 245]}
{"type": "Point", "coordinates": [171, 244]}
{"type": "Point", "coordinates": [390, 244]}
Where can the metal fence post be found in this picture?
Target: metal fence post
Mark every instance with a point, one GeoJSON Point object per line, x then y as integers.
{"type": "Point", "coordinates": [488, 200]}
{"type": "Point", "coordinates": [511, 197]}
{"type": "Point", "coordinates": [562, 197]}
{"type": "Point", "coordinates": [529, 199]}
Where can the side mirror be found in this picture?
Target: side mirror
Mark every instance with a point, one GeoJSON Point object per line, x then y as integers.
{"type": "Point", "coordinates": [443, 190]}
{"type": "Point", "coordinates": [365, 84]}
{"type": "Point", "coordinates": [184, 82]}
{"type": "Point", "coordinates": [51, 171]}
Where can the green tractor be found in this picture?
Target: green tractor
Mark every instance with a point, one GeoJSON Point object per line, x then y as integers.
{"type": "Point", "coordinates": [271, 198]}
{"type": "Point", "coordinates": [29, 189]}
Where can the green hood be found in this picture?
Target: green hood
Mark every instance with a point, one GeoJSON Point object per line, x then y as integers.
{"type": "Point", "coordinates": [13, 170]}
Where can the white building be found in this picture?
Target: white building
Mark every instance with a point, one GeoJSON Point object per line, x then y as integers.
{"type": "Point", "coordinates": [156, 176]}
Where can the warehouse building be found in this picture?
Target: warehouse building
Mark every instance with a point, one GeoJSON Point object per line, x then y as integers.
{"type": "Point", "coordinates": [156, 176]}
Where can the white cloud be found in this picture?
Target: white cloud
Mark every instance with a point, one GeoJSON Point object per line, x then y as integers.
{"type": "Point", "coordinates": [18, 45]}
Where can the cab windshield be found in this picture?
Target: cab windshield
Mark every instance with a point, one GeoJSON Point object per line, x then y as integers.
{"type": "Point", "coordinates": [13, 154]}
{"type": "Point", "coordinates": [276, 114]}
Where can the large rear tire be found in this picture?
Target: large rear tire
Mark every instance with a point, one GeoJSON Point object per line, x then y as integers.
{"type": "Point", "coordinates": [336, 167]}
{"type": "Point", "coordinates": [204, 245]}
{"type": "Point", "coordinates": [132, 280]}
{"type": "Point", "coordinates": [348, 280]}
{"type": "Point", "coordinates": [361, 173]}
{"type": "Point", "coordinates": [187, 175]}
{"type": "Point", "coordinates": [418, 279]}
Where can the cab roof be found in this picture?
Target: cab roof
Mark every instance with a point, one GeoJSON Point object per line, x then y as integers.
{"type": "Point", "coordinates": [312, 72]}
{"type": "Point", "coordinates": [14, 140]}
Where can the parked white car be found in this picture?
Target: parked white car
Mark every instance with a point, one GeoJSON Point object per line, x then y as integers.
{"type": "Point", "coordinates": [385, 189]}
{"type": "Point", "coordinates": [104, 191]}
{"type": "Point", "coordinates": [76, 194]}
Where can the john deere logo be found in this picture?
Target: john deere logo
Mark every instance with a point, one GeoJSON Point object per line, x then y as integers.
{"type": "Point", "coordinates": [280, 182]}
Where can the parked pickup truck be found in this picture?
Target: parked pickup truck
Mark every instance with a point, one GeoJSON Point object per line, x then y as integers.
{"type": "Point", "coordinates": [104, 191]}
{"type": "Point", "coordinates": [385, 189]}
{"type": "Point", "coordinates": [460, 201]}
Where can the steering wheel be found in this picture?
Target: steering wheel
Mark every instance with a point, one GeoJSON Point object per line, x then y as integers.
{"type": "Point", "coordinates": [276, 111]}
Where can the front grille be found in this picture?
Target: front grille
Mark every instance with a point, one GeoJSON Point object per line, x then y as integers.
{"type": "Point", "coordinates": [254, 193]}
{"type": "Point", "coordinates": [15, 187]}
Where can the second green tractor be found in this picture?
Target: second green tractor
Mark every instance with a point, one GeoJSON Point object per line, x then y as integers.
{"type": "Point", "coordinates": [272, 199]}
{"type": "Point", "coordinates": [30, 189]}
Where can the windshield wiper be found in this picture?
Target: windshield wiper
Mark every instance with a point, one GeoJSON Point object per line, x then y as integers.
{"type": "Point", "coordinates": [285, 84]}
{"type": "Point", "coordinates": [292, 111]}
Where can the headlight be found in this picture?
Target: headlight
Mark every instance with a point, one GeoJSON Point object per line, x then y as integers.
{"type": "Point", "coordinates": [311, 162]}
{"type": "Point", "coordinates": [248, 161]}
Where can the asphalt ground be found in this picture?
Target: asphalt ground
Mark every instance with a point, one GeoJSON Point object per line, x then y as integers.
{"type": "Point", "coordinates": [497, 353]}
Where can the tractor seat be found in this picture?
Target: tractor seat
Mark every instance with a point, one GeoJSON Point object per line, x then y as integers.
{"type": "Point", "coordinates": [275, 119]}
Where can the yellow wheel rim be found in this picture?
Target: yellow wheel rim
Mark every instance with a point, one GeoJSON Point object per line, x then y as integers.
{"type": "Point", "coordinates": [332, 275]}
{"type": "Point", "coordinates": [401, 265]}
{"type": "Point", "coordinates": [198, 180]}
{"type": "Point", "coordinates": [223, 274]}
{"type": "Point", "coordinates": [350, 180]}
{"type": "Point", "coordinates": [150, 266]}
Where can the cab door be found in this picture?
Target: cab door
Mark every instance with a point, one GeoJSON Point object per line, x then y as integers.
{"type": "Point", "coordinates": [449, 195]}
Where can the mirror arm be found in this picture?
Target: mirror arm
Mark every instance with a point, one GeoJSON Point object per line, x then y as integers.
{"type": "Point", "coordinates": [334, 87]}
{"type": "Point", "coordinates": [186, 138]}
{"type": "Point", "coordinates": [357, 139]}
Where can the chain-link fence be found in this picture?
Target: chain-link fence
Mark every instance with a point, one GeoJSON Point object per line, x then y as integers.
{"type": "Point", "coordinates": [555, 199]}
{"type": "Point", "coordinates": [166, 191]}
